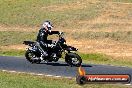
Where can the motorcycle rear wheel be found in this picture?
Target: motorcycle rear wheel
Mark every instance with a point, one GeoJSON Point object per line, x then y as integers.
{"type": "Point", "coordinates": [30, 56]}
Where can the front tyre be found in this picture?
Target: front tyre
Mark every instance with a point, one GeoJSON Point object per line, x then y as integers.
{"type": "Point", "coordinates": [73, 59]}
{"type": "Point", "coordinates": [31, 57]}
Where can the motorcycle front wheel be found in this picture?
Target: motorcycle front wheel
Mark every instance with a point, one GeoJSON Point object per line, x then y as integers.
{"type": "Point", "coordinates": [73, 59]}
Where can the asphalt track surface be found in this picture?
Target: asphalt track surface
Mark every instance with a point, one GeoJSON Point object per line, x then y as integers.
{"type": "Point", "coordinates": [20, 64]}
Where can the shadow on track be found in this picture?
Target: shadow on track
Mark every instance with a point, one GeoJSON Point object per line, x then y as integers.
{"type": "Point", "coordinates": [86, 65]}
{"type": "Point", "coordinates": [64, 64]}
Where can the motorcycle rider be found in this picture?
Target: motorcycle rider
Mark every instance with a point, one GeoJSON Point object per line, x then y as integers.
{"type": "Point", "coordinates": [44, 31]}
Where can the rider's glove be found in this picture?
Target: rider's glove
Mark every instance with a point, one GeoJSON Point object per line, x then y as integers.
{"type": "Point", "coordinates": [54, 42]}
{"type": "Point", "coordinates": [59, 33]}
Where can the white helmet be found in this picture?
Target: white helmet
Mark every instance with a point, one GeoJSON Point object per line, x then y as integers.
{"type": "Point", "coordinates": [47, 24]}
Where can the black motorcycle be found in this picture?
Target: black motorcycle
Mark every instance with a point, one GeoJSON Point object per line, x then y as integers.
{"type": "Point", "coordinates": [34, 53]}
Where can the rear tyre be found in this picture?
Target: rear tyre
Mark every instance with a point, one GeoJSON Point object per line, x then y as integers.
{"type": "Point", "coordinates": [31, 57]}
{"type": "Point", "coordinates": [73, 59]}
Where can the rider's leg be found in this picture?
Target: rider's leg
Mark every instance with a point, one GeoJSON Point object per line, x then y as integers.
{"type": "Point", "coordinates": [42, 46]}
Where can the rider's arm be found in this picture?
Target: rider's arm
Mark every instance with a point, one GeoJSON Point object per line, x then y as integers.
{"type": "Point", "coordinates": [54, 32]}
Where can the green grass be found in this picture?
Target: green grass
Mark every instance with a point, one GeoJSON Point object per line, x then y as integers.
{"type": "Point", "coordinates": [126, 1]}
{"type": "Point", "coordinates": [117, 36]}
{"type": "Point", "coordinates": [94, 56]}
{"type": "Point", "coordinates": [123, 1]}
{"type": "Point", "coordinates": [12, 53]}
{"type": "Point", "coordinates": [10, 37]}
{"type": "Point", "coordinates": [33, 12]}
{"type": "Point", "coordinates": [97, 58]}
{"type": "Point", "coordinates": [15, 80]}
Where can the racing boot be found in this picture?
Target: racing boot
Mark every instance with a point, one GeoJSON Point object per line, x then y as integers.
{"type": "Point", "coordinates": [44, 54]}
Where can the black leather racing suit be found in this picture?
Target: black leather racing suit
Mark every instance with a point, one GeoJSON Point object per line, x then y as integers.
{"type": "Point", "coordinates": [42, 37]}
